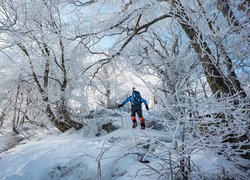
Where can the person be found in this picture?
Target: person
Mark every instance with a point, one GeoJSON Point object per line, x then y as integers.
{"type": "Point", "coordinates": [136, 100]}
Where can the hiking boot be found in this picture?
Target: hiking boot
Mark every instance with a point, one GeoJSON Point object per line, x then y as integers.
{"type": "Point", "coordinates": [142, 125]}
{"type": "Point", "coordinates": [134, 124]}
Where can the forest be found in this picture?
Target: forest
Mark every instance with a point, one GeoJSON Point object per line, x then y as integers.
{"type": "Point", "coordinates": [66, 65]}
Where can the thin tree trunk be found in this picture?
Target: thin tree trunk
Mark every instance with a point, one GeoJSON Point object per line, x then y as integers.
{"type": "Point", "coordinates": [3, 115]}
{"type": "Point", "coordinates": [182, 161]}
{"type": "Point", "coordinates": [108, 93]}
{"type": "Point", "coordinates": [170, 166]}
{"type": "Point", "coordinates": [14, 120]}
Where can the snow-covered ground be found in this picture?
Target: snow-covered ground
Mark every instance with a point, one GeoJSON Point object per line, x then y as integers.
{"type": "Point", "coordinates": [123, 154]}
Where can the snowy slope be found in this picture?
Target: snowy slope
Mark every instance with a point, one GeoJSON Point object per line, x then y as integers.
{"type": "Point", "coordinates": [73, 157]}
{"type": "Point", "coordinates": [120, 155]}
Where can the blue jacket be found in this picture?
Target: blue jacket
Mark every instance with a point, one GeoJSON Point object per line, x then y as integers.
{"type": "Point", "coordinates": [130, 99]}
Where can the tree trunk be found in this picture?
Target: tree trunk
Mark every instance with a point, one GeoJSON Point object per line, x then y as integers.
{"type": "Point", "coordinates": [216, 80]}
{"type": "Point", "coordinates": [108, 96]}
{"type": "Point", "coordinates": [66, 116]}
{"type": "Point", "coordinates": [14, 120]}
{"type": "Point", "coordinates": [228, 62]}
{"type": "Point", "coordinates": [63, 109]}
{"type": "Point", "coordinates": [223, 6]}
{"type": "Point", "coordinates": [228, 13]}
{"type": "Point", "coordinates": [3, 114]}
{"type": "Point", "coordinates": [231, 73]}
{"type": "Point", "coordinates": [62, 126]}
{"type": "Point", "coordinates": [245, 7]}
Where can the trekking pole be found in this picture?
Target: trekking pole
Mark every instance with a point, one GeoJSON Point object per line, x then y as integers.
{"type": "Point", "coordinates": [149, 115]}
{"type": "Point", "coordinates": [148, 112]}
{"type": "Point", "coordinates": [121, 119]}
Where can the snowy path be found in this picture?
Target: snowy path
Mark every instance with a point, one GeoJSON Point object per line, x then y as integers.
{"type": "Point", "coordinates": [74, 157]}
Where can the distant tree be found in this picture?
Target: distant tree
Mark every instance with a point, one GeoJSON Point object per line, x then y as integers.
{"type": "Point", "coordinates": [106, 84]}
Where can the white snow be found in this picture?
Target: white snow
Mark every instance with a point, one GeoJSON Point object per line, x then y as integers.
{"type": "Point", "coordinates": [71, 156]}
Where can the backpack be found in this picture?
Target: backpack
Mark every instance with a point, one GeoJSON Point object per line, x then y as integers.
{"type": "Point", "coordinates": [136, 98]}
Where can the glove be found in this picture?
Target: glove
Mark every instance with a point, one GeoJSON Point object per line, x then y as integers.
{"type": "Point", "coordinates": [147, 107]}
{"type": "Point", "coordinates": [120, 105]}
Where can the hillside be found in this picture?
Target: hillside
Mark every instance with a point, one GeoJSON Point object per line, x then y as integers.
{"type": "Point", "coordinates": [90, 153]}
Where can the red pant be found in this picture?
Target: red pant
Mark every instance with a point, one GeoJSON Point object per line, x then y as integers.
{"type": "Point", "coordinates": [136, 109]}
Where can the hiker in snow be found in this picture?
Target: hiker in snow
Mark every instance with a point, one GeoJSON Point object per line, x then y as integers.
{"type": "Point", "coordinates": [136, 100]}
